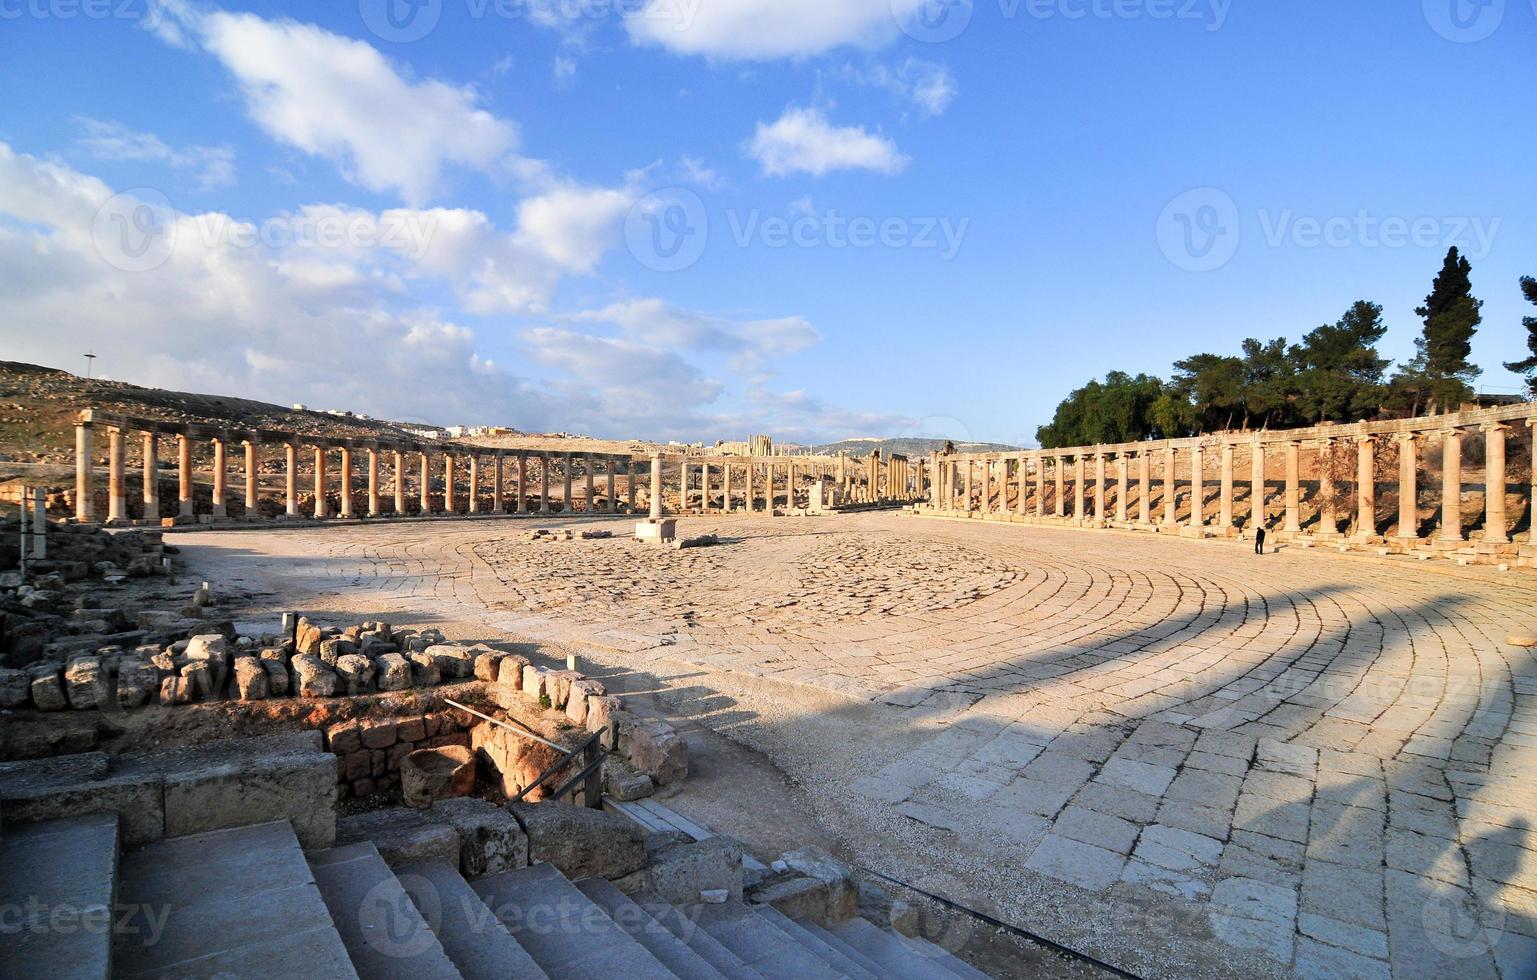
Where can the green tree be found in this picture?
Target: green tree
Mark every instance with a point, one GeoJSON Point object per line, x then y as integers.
{"type": "Point", "coordinates": [1115, 410]}
{"type": "Point", "coordinates": [1338, 370]}
{"type": "Point", "coordinates": [1440, 375]}
{"type": "Point", "coordinates": [1270, 384]}
{"type": "Point", "coordinates": [1213, 386]}
{"type": "Point", "coordinates": [1528, 367]}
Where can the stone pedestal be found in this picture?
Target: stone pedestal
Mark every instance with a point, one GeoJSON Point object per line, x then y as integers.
{"type": "Point", "coordinates": [657, 530]}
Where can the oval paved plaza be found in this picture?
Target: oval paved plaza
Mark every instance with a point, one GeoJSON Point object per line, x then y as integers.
{"type": "Point", "coordinates": [1325, 760]}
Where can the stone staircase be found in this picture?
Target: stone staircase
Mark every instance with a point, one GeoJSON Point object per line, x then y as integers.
{"type": "Point", "coordinates": [249, 902]}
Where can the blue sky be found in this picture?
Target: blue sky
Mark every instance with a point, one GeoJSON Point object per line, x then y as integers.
{"type": "Point", "coordinates": [696, 219]}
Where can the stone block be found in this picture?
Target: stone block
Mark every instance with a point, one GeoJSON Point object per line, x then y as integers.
{"type": "Point", "coordinates": [656, 750]}
{"type": "Point", "coordinates": [401, 834]}
{"type": "Point", "coordinates": [15, 688]}
{"type": "Point", "coordinates": [308, 637]}
{"type": "Point", "coordinates": [137, 799]}
{"type": "Point", "coordinates": [534, 682]}
{"type": "Point", "coordinates": [173, 691]}
{"type": "Point", "coordinates": [210, 648]}
{"type": "Point", "coordinates": [581, 841]}
{"type": "Point", "coordinates": [453, 662]}
{"type": "Point", "coordinates": [250, 679]}
{"type": "Point", "coordinates": [818, 886]}
{"type": "Point", "coordinates": [357, 765]}
{"type": "Point", "coordinates": [277, 677]}
{"type": "Point", "coordinates": [490, 838]}
{"type": "Point", "coordinates": [356, 673]}
{"type": "Point", "coordinates": [488, 664]}
{"type": "Point", "coordinates": [393, 672]}
{"type": "Point", "coordinates": [424, 670]}
{"type": "Point", "coordinates": [378, 733]}
{"type": "Point", "coordinates": [86, 684]}
{"type": "Point", "coordinates": [603, 712]}
{"type": "Point", "coordinates": [197, 678]}
{"type": "Point", "coordinates": [411, 729]}
{"type": "Point", "coordinates": [679, 873]}
{"type": "Point", "coordinates": [509, 671]}
{"type": "Point", "coordinates": [312, 678]}
{"type": "Point", "coordinates": [137, 681]}
{"type": "Point", "coordinates": [47, 691]}
{"type": "Point", "coordinates": [623, 783]}
{"type": "Point", "coordinates": [557, 684]}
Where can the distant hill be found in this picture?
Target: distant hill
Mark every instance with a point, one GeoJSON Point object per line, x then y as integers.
{"type": "Point", "coordinates": [907, 447]}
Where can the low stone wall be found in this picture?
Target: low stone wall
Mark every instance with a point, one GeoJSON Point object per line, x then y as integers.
{"type": "Point", "coordinates": [368, 750]}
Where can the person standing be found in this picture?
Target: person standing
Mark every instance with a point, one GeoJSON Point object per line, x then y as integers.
{"type": "Point", "coordinates": [1259, 540]}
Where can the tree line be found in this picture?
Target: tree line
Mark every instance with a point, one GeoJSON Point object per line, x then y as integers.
{"type": "Point", "coordinates": [1333, 374]}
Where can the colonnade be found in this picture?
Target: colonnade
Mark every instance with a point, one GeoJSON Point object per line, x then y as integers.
{"type": "Point", "coordinates": [764, 484]}
{"type": "Point", "coordinates": [1198, 487]}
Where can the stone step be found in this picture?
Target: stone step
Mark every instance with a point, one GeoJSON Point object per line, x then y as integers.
{"type": "Point", "coordinates": [638, 923]}
{"type": "Point", "coordinates": [240, 901]}
{"type": "Point", "coordinates": [707, 946]}
{"type": "Point", "coordinates": [68, 865]}
{"type": "Point", "coordinates": [479, 945]}
{"type": "Point", "coordinates": [385, 935]}
{"type": "Point", "coordinates": [837, 943]}
{"type": "Point", "coordinates": [845, 965]}
{"type": "Point", "coordinates": [565, 933]}
{"type": "Point", "coordinates": [758, 943]}
{"type": "Point", "coordinates": [899, 956]}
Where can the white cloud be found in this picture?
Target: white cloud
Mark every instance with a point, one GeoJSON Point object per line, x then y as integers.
{"type": "Point", "coordinates": [927, 85]}
{"type": "Point", "coordinates": [211, 166]}
{"type": "Point", "coordinates": [747, 343]}
{"type": "Point", "coordinates": [765, 29]}
{"type": "Point", "coordinates": [802, 140]}
{"type": "Point", "coordinates": [340, 99]}
{"type": "Point", "coordinates": [563, 70]}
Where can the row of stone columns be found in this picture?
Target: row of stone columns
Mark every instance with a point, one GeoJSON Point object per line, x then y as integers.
{"type": "Point", "coordinates": [981, 484]}
{"type": "Point", "coordinates": [345, 482]}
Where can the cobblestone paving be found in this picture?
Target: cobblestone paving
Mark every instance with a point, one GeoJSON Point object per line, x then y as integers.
{"type": "Point", "coordinates": [1330, 757]}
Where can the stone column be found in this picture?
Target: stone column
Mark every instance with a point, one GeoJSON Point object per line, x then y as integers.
{"type": "Point", "coordinates": [1022, 503]}
{"type": "Point", "coordinates": [474, 483]}
{"type": "Point", "coordinates": [725, 479]}
{"type": "Point", "coordinates": [592, 503]}
{"type": "Point", "coordinates": [320, 482]}
{"type": "Point", "coordinates": [449, 505]}
{"type": "Point", "coordinates": [1169, 485]}
{"type": "Point", "coordinates": [373, 481]}
{"type": "Point", "coordinates": [252, 487]}
{"type": "Point", "coordinates": [1225, 507]}
{"type": "Point", "coordinates": [544, 483]}
{"type": "Point", "coordinates": [517, 502]}
{"type": "Point", "coordinates": [751, 503]}
{"type": "Point", "coordinates": [151, 476]}
{"type": "Point", "coordinates": [1531, 499]}
{"type": "Point", "coordinates": [683, 468]}
{"type": "Point", "coordinates": [1328, 512]}
{"type": "Point", "coordinates": [1122, 486]}
{"type": "Point", "coordinates": [498, 487]}
{"type": "Point", "coordinates": [1145, 491]}
{"type": "Point", "coordinates": [1197, 486]}
{"type": "Point", "coordinates": [85, 473]}
{"type": "Point", "coordinates": [184, 475]}
{"type": "Point", "coordinates": [1061, 476]}
{"type": "Point", "coordinates": [1293, 487]}
{"type": "Point", "coordinates": [346, 488]}
{"type": "Point", "coordinates": [426, 489]}
{"type": "Point", "coordinates": [656, 488]}
{"type": "Point", "coordinates": [611, 465]}
{"type": "Point", "coordinates": [117, 497]}
{"type": "Point", "coordinates": [400, 483]}
{"type": "Point", "coordinates": [1366, 488]}
{"type": "Point", "coordinates": [566, 505]}
{"type": "Point", "coordinates": [1257, 485]}
{"type": "Point", "coordinates": [629, 483]}
{"type": "Point", "coordinates": [291, 479]}
{"type": "Point", "coordinates": [220, 477]}
{"type": "Point", "coordinates": [1451, 485]}
{"type": "Point", "coordinates": [1494, 484]}
{"type": "Point", "coordinates": [1080, 488]}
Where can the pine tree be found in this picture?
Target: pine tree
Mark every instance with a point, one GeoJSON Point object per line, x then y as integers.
{"type": "Point", "coordinates": [1441, 372]}
{"type": "Point", "coordinates": [1528, 367]}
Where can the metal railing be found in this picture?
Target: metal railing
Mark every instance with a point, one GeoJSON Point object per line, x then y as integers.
{"type": "Point", "coordinates": [589, 779]}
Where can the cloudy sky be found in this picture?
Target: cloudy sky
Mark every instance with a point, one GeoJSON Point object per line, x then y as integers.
{"type": "Point", "coordinates": [698, 219]}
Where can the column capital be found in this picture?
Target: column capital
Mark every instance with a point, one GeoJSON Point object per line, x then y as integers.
{"type": "Point", "coordinates": [1450, 430]}
{"type": "Point", "coordinates": [1405, 438]}
{"type": "Point", "coordinates": [1367, 439]}
{"type": "Point", "coordinates": [1497, 426]}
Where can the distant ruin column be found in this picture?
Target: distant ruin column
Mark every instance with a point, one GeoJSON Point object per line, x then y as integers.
{"type": "Point", "coordinates": [373, 481]}
{"type": "Point", "coordinates": [966, 486]}
{"type": "Point", "coordinates": [400, 483]}
{"type": "Point", "coordinates": [986, 503]}
{"type": "Point", "coordinates": [474, 483]}
{"type": "Point", "coordinates": [220, 477]}
{"type": "Point", "coordinates": [1225, 506]}
{"type": "Point", "coordinates": [252, 488]}
{"type": "Point", "coordinates": [498, 486]}
{"type": "Point", "coordinates": [629, 483]}
{"type": "Point", "coordinates": [1451, 485]}
{"type": "Point", "coordinates": [1145, 491]}
{"type": "Point", "coordinates": [449, 506]}
{"type": "Point", "coordinates": [151, 476]}
{"type": "Point", "coordinates": [117, 498]}
{"type": "Point", "coordinates": [426, 489]}
{"type": "Point", "coordinates": [184, 475]}
{"type": "Point", "coordinates": [85, 474]}
{"type": "Point", "coordinates": [1293, 487]}
{"type": "Point", "coordinates": [1494, 484]}
{"type": "Point", "coordinates": [1197, 486]}
{"type": "Point", "coordinates": [1040, 485]}
{"type": "Point", "coordinates": [346, 482]}
{"type": "Point", "coordinates": [291, 479]}
{"type": "Point", "coordinates": [751, 492]}
{"type": "Point", "coordinates": [1100, 513]}
{"type": "Point", "coordinates": [656, 488]}
{"type": "Point", "coordinates": [1531, 498]}
{"type": "Point", "coordinates": [320, 481]}
{"type": "Point", "coordinates": [611, 465]}
{"type": "Point", "coordinates": [1257, 485]}
{"type": "Point", "coordinates": [592, 503]}
{"type": "Point", "coordinates": [1169, 485]}
{"type": "Point", "coordinates": [1122, 485]}
{"type": "Point", "coordinates": [544, 483]}
{"type": "Point", "coordinates": [1022, 504]}
{"type": "Point", "coordinates": [1328, 510]}
{"type": "Point", "coordinates": [517, 501]}
{"type": "Point", "coordinates": [683, 468]}
{"type": "Point", "coordinates": [565, 500]}
{"type": "Point", "coordinates": [725, 479]}
{"type": "Point", "coordinates": [1061, 476]}
{"type": "Point", "coordinates": [1366, 488]}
